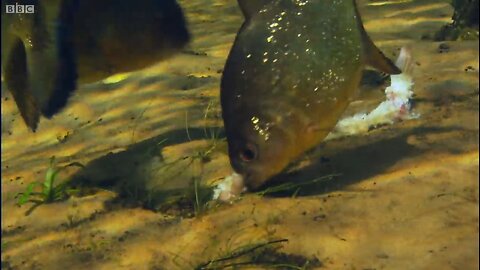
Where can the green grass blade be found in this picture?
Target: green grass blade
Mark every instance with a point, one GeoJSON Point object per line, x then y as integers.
{"type": "Point", "coordinates": [48, 184]}
{"type": "Point", "coordinates": [25, 196]}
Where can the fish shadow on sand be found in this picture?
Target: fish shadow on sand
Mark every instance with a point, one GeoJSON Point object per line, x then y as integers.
{"type": "Point", "coordinates": [353, 163]}
{"type": "Point", "coordinates": [136, 168]}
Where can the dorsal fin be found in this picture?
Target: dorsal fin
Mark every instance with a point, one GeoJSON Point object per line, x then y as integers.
{"type": "Point", "coordinates": [251, 7]}
{"type": "Point", "coordinates": [373, 56]}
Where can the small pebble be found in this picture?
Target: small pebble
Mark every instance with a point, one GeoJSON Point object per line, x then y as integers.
{"type": "Point", "coordinates": [443, 47]}
{"type": "Point", "coordinates": [469, 68]}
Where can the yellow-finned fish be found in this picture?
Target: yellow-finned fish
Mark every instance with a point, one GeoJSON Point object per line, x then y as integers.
{"type": "Point", "coordinates": [63, 43]}
{"type": "Point", "coordinates": [292, 71]}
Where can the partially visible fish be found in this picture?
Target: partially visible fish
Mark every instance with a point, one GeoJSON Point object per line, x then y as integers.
{"type": "Point", "coordinates": [45, 55]}
{"type": "Point", "coordinates": [293, 69]}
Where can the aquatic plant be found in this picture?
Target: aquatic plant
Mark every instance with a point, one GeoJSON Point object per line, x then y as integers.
{"type": "Point", "coordinates": [210, 134]}
{"type": "Point", "coordinates": [202, 196]}
{"type": "Point", "coordinates": [464, 24]}
{"type": "Point", "coordinates": [195, 199]}
{"type": "Point", "coordinates": [466, 13]}
{"type": "Point", "coordinates": [49, 191]}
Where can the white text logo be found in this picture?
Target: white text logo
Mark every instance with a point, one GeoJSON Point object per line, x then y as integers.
{"type": "Point", "coordinates": [20, 8]}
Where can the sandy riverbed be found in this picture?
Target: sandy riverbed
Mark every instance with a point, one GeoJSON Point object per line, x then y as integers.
{"type": "Point", "coordinates": [407, 197]}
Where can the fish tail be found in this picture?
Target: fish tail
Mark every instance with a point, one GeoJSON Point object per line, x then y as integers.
{"type": "Point", "coordinates": [66, 75]}
{"type": "Point", "coordinates": [15, 76]}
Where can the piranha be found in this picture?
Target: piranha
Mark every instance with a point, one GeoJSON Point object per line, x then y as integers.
{"type": "Point", "coordinates": [293, 69]}
{"type": "Point", "coordinates": [63, 43]}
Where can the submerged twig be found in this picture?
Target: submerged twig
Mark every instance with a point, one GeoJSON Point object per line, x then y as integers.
{"type": "Point", "coordinates": [140, 116]}
{"type": "Point", "coordinates": [238, 254]}
{"type": "Point", "coordinates": [296, 186]}
{"type": "Point", "coordinates": [186, 126]}
{"type": "Point", "coordinates": [255, 263]}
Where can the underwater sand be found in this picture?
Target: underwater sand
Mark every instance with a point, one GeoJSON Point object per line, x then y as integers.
{"type": "Point", "coordinates": [407, 196]}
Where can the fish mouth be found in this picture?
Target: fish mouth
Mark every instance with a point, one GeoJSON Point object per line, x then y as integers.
{"type": "Point", "coordinates": [252, 181]}
{"type": "Point", "coordinates": [253, 177]}
{"type": "Point", "coordinates": [253, 174]}
{"type": "Point", "coordinates": [246, 177]}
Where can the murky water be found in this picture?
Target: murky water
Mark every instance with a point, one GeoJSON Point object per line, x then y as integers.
{"type": "Point", "coordinates": [401, 196]}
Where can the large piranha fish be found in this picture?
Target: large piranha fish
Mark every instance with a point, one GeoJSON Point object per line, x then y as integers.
{"type": "Point", "coordinates": [293, 69]}
{"type": "Point", "coordinates": [63, 43]}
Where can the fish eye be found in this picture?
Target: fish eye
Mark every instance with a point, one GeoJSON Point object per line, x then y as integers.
{"type": "Point", "coordinates": [248, 152]}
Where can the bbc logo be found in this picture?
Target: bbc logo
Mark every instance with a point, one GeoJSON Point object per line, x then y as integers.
{"type": "Point", "coordinates": [20, 8]}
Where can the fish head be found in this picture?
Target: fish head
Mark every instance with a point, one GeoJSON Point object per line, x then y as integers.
{"type": "Point", "coordinates": [261, 142]}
